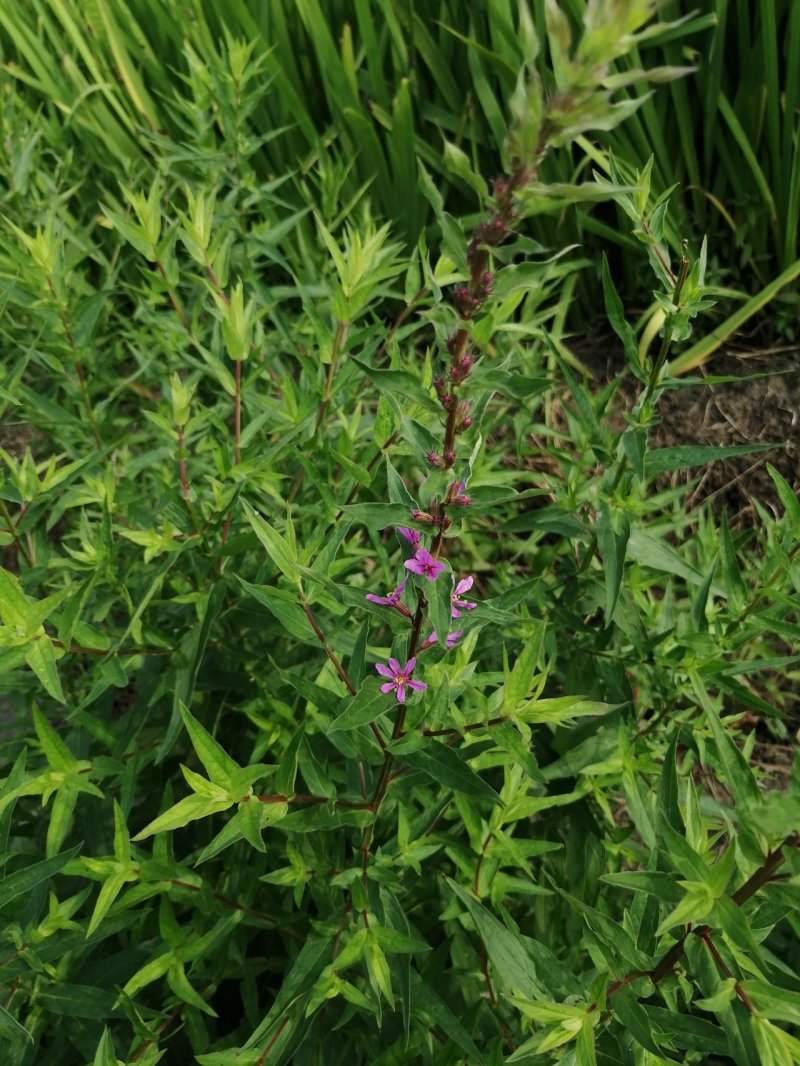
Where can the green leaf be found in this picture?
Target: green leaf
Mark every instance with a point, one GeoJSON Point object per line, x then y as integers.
{"type": "Point", "coordinates": [684, 456]}
{"type": "Point", "coordinates": [615, 313]}
{"type": "Point", "coordinates": [633, 1017]}
{"type": "Point", "coordinates": [109, 890]}
{"type": "Point", "coordinates": [287, 612]}
{"type": "Point", "coordinates": [738, 775]}
{"type": "Point", "coordinates": [734, 582]}
{"type": "Point", "coordinates": [277, 546]}
{"type": "Point", "coordinates": [393, 941]}
{"type": "Point", "coordinates": [58, 755]}
{"type": "Point", "coordinates": [775, 1046]}
{"type": "Point", "coordinates": [41, 658]}
{"type": "Point", "coordinates": [368, 704]}
{"type": "Point", "coordinates": [22, 882]}
{"type": "Point", "coordinates": [689, 1032]}
{"type": "Point", "coordinates": [10, 1025]}
{"type": "Point", "coordinates": [445, 766]}
{"type": "Point", "coordinates": [14, 606]}
{"type": "Point", "coordinates": [219, 766]}
{"type": "Point", "coordinates": [513, 967]}
{"type": "Point", "coordinates": [774, 1002]}
{"type": "Point", "coordinates": [378, 515]}
{"type": "Point", "coordinates": [186, 810]}
{"type": "Point", "coordinates": [104, 1056]}
{"type": "Point", "coordinates": [519, 683]}
{"type": "Point", "coordinates": [311, 959]}
{"type": "Point", "coordinates": [661, 885]}
{"type": "Point", "coordinates": [613, 531]}
{"type": "Point", "coordinates": [562, 709]}
{"type": "Point", "coordinates": [439, 594]}
{"type": "Point", "coordinates": [428, 1004]}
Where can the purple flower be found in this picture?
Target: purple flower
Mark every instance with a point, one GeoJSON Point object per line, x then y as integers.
{"type": "Point", "coordinates": [451, 641]}
{"type": "Point", "coordinates": [392, 600]}
{"type": "Point", "coordinates": [457, 604]}
{"type": "Point", "coordinates": [400, 678]}
{"type": "Point", "coordinates": [411, 535]}
{"type": "Point", "coordinates": [424, 564]}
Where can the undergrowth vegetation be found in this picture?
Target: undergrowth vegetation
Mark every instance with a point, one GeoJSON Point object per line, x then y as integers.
{"type": "Point", "coordinates": [371, 695]}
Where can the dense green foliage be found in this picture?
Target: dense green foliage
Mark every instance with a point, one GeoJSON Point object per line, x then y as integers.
{"type": "Point", "coordinates": [346, 96]}
{"type": "Point", "coordinates": [244, 387]}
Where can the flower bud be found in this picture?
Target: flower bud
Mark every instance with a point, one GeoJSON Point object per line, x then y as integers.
{"type": "Point", "coordinates": [449, 458]}
{"type": "Point", "coordinates": [434, 459]}
{"type": "Point", "coordinates": [461, 371]}
{"type": "Point", "coordinates": [422, 516]}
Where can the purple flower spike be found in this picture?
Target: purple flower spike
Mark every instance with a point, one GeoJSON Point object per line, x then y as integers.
{"type": "Point", "coordinates": [392, 600]}
{"type": "Point", "coordinates": [411, 535]}
{"type": "Point", "coordinates": [400, 678]}
{"type": "Point", "coordinates": [424, 564]}
{"type": "Point", "coordinates": [452, 639]}
{"type": "Point", "coordinates": [457, 604]}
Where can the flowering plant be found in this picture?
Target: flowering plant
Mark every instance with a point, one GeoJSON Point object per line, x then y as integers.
{"type": "Point", "coordinates": [261, 802]}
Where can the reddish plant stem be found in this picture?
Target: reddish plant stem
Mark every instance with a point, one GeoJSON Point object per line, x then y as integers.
{"type": "Point", "coordinates": [469, 728]}
{"type": "Point", "coordinates": [143, 1048]}
{"type": "Point", "coordinates": [340, 670]}
{"type": "Point", "coordinates": [340, 930]}
{"type": "Point", "coordinates": [173, 299]}
{"type": "Point", "coordinates": [492, 997]}
{"type": "Point", "coordinates": [356, 488]}
{"type": "Point", "coordinates": [237, 414]}
{"type": "Point", "coordinates": [12, 529]}
{"type": "Point", "coordinates": [220, 291]}
{"type": "Point", "coordinates": [310, 801]}
{"type": "Point", "coordinates": [182, 468]}
{"type": "Point", "coordinates": [762, 876]}
{"type": "Point", "coordinates": [263, 1057]}
{"type": "Point", "coordinates": [740, 992]}
{"type": "Point", "coordinates": [279, 923]}
{"type": "Point", "coordinates": [484, 848]}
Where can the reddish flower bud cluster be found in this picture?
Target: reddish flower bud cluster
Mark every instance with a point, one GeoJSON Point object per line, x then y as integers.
{"type": "Point", "coordinates": [461, 371]}
{"type": "Point", "coordinates": [434, 517]}
{"type": "Point", "coordinates": [445, 398]}
{"type": "Point", "coordinates": [464, 301]}
{"type": "Point", "coordinates": [488, 233]}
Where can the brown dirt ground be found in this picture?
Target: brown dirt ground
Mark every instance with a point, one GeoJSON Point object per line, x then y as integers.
{"type": "Point", "coordinates": [752, 411]}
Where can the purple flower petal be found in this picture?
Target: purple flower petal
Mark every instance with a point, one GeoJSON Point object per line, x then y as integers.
{"type": "Point", "coordinates": [388, 687]}
{"type": "Point", "coordinates": [411, 535]}
{"type": "Point", "coordinates": [401, 694]}
{"type": "Point", "coordinates": [383, 670]}
{"type": "Point", "coordinates": [395, 665]}
{"type": "Point", "coordinates": [383, 600]}
{"type": "Point", "coordinates": [409, 667]}
{"type": "Point", "coordinates": [464, 585]}
{"type": "Point", "coordinates": [419, 686]}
